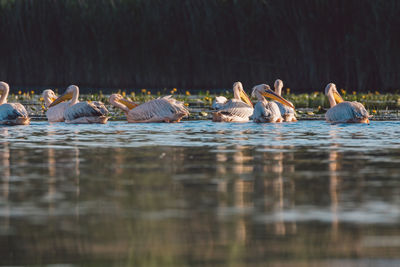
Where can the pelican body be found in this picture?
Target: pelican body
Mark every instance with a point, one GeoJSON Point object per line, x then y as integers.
{"type": "Point", "coordinates": [288, 114]}
{"type": "Point", "coordinates": [267, 111]}
{"type": "Point", "coordinates": [344, 111]}
{"type": "Point", "coordinates": [54, 113]}
{"type": "Point", "coordinates": [80, 112]}
{"type": "Point", "coordinates": [238, 109]}
{"type": "Point", "coordinates": [11, 113]}
{"type": "Point", "coordinates": [164, 109]}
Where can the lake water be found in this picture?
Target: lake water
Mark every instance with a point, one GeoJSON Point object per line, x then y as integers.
{"type": "Point", "coordinates": [200, 194]}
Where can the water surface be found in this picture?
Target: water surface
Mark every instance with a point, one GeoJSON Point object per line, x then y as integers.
{"type": "Point", "coordinates": [200, 193]}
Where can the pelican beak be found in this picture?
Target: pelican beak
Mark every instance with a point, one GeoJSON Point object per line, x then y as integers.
{"type": "Point", "coordinates": [64, 97]}
{"type": "Point", "coordinates": [273, 95]}
{"type": "Point", "coordinates": [245, 98]}
{"type": "Point", "coordinates": [337, 97]}
{"type": "Point", "coordinates": [127, 103]}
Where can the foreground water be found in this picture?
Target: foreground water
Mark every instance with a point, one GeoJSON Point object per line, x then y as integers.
{"type": "Point", "coordinates": [200, 193]}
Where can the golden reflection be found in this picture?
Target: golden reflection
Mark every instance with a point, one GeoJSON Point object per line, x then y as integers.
{"type": "Point", "coordinates": [278, 187]}
{"type": "Point", "coordinates": [277, 170]}
{"type": "Point", "coordinates": [54, 174]}
{"type": "Point", "coordinates": [242, 193]}
{"type": "Point", "coordinates": [118, 161]}
{"type": "Point", "coordinates": [240, 161]}
{"type": "Point", "coordinates": [334, 167]}
{"type": "Point", "coordinates": [77, 180]}
{"type": "Point", "coordinates": [280, 228]}
{"type": "Point", "coordinates": [243, 189]}
{"type": "Point", "coordinates": [241, 232]}
{"type": "Point", "coordinates": [221, 158]}
{"type": "Point", "coordinates": [5, 168]}
{"type": "Point", "coordinates": [51, 165]}
{"type": "Point", "coordinates": [5, 172]}
{"type": "Point", "coordinates": [277, 167]}
{"type": "Point", "coordinates": [51, 162]}
{"type": "Point", "coordinates": [292, 190]}
{"type": "Point", "coordinates": [77, 171]}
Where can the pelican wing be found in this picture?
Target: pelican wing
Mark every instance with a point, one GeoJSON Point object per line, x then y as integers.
{"type": "Point", "coordinates": [56, 113]}
{"type": "Point", "coordinates": [101, 107]}
{"type": "Point", "coordinates": [84, 109]}
{"type": "Point", "coordinates": [233, 110]}
{"type": "Point", "coordinates": [266, 112]}
{"type": "Point", "coordinates": [286, 112]}
{"type": "Point", "coordinates": [159, 110]}
{"type": "Point", "coordinates": [347, 112]}
{"type": "Point", "coordinates": [20, 109]}
{"type": "Point", "coordinates": [359, 110]}
{"type": "Point", "coordinates": [13, 113]}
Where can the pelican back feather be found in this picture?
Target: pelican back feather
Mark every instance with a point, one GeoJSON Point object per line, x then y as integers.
{"type": "Point", "coordinates": [165, 109]}
{"type": "Point", "coordinates": [85, 109]}
{"type": "Point", "coordinates": [266, 112]}
{"type": "Point", "coordinates": [13, 113]}
{"type": "Point", "coordinates": [233, 110]}
{"type": "Point", "coordinates": [56, 113]}
{"type": "Point", "coordinates": [347, 112]}
{"type": "Point", "coordinates": [287, 113]}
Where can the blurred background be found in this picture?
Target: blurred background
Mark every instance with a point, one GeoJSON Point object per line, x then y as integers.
{"type": "Point", "coordinates": [201, 44]}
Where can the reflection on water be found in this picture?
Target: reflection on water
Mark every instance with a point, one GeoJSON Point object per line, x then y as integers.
{"type": "Point", "coordinates": [199, 193]}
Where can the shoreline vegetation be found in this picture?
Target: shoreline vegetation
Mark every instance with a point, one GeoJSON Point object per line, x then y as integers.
{"type": "Point", "coordinates": [199, 44]}
{"type": "Point", "coordinates": [308, 106]}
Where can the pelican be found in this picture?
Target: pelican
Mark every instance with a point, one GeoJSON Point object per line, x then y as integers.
{"type": "Point", "coordinates": [344, 111]}
{"type": "Point", "coordinates": [287, 113]}
{"type": "Point", "coordinates": [238, 109]}
{"type": "Point", "coordinates": [164, 109]}
{"type": "Point", "coordinates": [265, 111]}
{"type": "Point", "coordinates": [12, 113]}
{"type": "Point", "coordinates": [81, 112]}
{"type": "Point", "coordinates": [219, 102]}
{"type": "Point", "coordinates": [55, 113]}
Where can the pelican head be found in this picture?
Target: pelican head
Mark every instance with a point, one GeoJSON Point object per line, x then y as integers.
{"type": "Point", "coordinates": [239, 93]}
{"type": "Point", "coordinates": [116, 99]}
{"type": "Point", "coordinates": [263, 90]}
{"type": "Point", "coordinates": [48, 96]}
{"type": "Point", "coordinates": [278, 85]}
{"type": "Point", "coordinates": [332, 94]}
{"type": "Point", "coordinates": [4, 89]}
{"type": "Point", "coordinates": [71, 91]}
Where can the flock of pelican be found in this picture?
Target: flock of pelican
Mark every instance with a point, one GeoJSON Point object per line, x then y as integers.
{"type": "Point", "coordinates": [67, 107]}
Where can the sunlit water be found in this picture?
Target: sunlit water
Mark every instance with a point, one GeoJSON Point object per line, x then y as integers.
{"type": "Point", "coordinates": [200, 193]}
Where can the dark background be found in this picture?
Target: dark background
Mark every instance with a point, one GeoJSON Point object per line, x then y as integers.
{"type": "Point", "coordinates": [201, 44]}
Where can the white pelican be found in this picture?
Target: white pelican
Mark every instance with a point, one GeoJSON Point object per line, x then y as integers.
{"type": "Point", "coordinates": [81, 112]}
{"type": "Point", "coordinates": [344, 111]}
{"type": "Point", "coordinates": [219, 101]}
{"type": "Point", "coordinates": [164, 109]}
{"type": "Point", "coordinates": [55, 113]}
{"type": "Point", "coordinates": [12, 113]}
{"type": "Point", "coordinates": [238, 109]}
{"type": "Point", "coordinates": [287, 113]}
{"type": "Point", "coordinates": [265, 111]}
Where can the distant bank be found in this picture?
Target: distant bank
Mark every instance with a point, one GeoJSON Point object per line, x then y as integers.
{"type": "Point", "coordinates": [201, 44]}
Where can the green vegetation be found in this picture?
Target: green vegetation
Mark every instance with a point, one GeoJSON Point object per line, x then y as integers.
{"type": "Point", "coordinates": [307, 105]}
{"type": "Point", "coordinates": [198, 44]}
